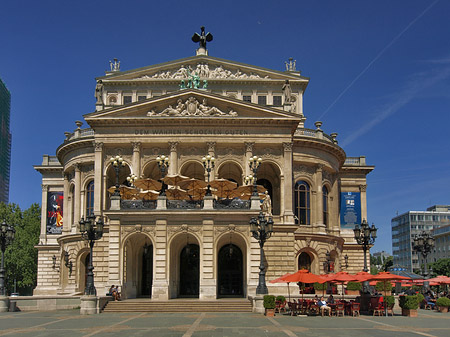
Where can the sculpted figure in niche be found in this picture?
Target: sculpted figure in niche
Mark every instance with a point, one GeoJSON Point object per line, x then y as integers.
{"type": "Point", "coordinates": [287, 92]}
{"type": "Point", "coordinates": [266, 206]}
{"type": "Point", "coordinates": [99, 92]}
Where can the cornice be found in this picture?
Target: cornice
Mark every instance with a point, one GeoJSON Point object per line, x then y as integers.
{"type": "Point", "coordinates": [321, 144]}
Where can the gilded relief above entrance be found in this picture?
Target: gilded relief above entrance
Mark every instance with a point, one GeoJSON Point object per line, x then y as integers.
{"type": "Point", "coordinates": [191, 107]}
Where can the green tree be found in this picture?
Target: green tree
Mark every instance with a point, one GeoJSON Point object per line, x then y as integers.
{"type": "Point", "coordinates": [441, 267]}
{"type": "Point", "coordinates": [387, 263]}
{"type": "Point", "coordinates": [21, 255]}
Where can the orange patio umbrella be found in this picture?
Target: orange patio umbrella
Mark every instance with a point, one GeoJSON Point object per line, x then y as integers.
{"type": "Point", "coordinates": [441, 280]}
{"type": "Point", "coordinates": [385, 277]}
{"type": "Point", "coordinates": [304, 276]}
{"type": "Point", "coordinates": [341, 277]}
{"type": "Point", "coordinates": [281, 279]}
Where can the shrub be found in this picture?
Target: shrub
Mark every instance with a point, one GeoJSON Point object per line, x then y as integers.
{"type": "Point", "coordinates": [269, 301]}
{"type": "Point", "coordinates": [281, 299]}
{"type": "Point", "coordinates": [409, 302]}
{"type": "Point", "coordinates": [354, 286]}
{"type": "Point", "coordinates": [443, 302]}
{"type": "Point", "coordinates": [390, 301]}
{"type": "Point", "coordinates": [420, 298]}
{"type": "Point", "coordinates": [320, 286]}
{"type": "Point", "coordinates": [383, 286]}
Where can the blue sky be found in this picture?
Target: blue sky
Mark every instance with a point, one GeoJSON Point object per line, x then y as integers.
{"type": "Point", "coordinates": [379, 70]}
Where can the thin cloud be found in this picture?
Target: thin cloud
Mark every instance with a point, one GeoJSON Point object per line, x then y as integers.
{"type": "Point", "coordinates": [377, 57]}
{"type": "Point", "coordinates": [413, 88]}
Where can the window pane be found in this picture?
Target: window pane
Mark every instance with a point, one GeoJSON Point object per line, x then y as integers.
{"type": "Point", "coordinates": [262, 100]}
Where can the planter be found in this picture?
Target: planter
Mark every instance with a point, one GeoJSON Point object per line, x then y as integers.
{"type": "Point", "coordinates": [409, 312]}
{"type": "Point", "coordinates": [270, 312]}
{"type": "Point", "coordinates": [443, 309]}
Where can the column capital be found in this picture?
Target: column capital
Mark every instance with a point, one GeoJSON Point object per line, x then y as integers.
{"type": "Point", "coordinates": [44, 188]}
{"type": "Point", "coordinates": [249, 146]}
{"type": "Point", "coordinates": [211, 146]}
{"type": "Point", "coordinates": [319, 167]}
{"type": "Point", "coordinates": [287, 146]}
{"type": "Point", "coordinates": [362, 188]}
{"type": "Point", "coordinates": [136, 146]}
{"type": "Point", "coordinates": [98, 146]}
{"type": "Point", "coordinates": [77, 167]}
{"type": "Point", "coordinates": [173, 146]}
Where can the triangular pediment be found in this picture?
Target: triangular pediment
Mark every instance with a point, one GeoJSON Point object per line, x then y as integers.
{"type": "Point", "coordinates": [206, 67]}
{"type": "Point", "coordinates": [188, 106]}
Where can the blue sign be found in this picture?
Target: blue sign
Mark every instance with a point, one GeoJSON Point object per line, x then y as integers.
{"type": "Point", "coordinates": [350, 209]}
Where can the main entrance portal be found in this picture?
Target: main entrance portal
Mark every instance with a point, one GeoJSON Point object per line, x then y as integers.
{"type": "Point", "coordinates": [190, 271]}
{"type": "Point", "coordinates": [230, 272]}
{"type": "Point", "coordinates": [147, 271]}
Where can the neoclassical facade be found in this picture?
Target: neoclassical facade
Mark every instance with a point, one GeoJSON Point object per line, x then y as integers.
{"type": "Point", "coordinates": [164, 249]}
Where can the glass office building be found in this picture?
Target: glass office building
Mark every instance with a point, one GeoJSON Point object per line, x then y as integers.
{"type": "Point", "coordinates": [5, 142]}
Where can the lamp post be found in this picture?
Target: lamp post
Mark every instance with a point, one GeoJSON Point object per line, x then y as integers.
{"type": "Point", "coordinates": [208, 164]}
{"type": "Point", "coordinates": [7, 233]}
{"type": "Point", "coordinates": [346, 261]}
{"type": "Point", "coordinates": [131, 179]}
{"type": "Point", "coordinates": [91, 231]}
{"type": "Point", "coordinates": [262, 230]}
{"type": "Point", "coordinates": [423, 243]}
{"type": "Point", "coordinates": [117, 162]}
{"type": "Point", "coordinates": [327, 263]}
{"type": "Point", "coordinates": [254, 163]}
{"type": "Point", "coordinates": [163, 164]}
{"type": "Point", "coordinates": [365, 236]}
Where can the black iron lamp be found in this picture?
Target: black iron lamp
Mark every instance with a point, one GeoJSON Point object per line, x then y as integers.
{"type": "Point", "coordinates": [423, 243]}
{"type": "Point", "coordinates": [365, 236]}
{"type": "Point", "coordinates": [67, 262]}
{"type": "Point", "coordinates": [346, 261]}
{"type": "Point", "coordinates": [163, 164]}
{"type": "Point", "coordinates": [262, 230]}
{"type": "Point", "coordinates": [91, 231]}
{"type": "Point", "coordinates": [117, 162]}
{"type": "Point", "coordinates": [254, 163]}
{"type": "Point", "coordinates": [208, 164]}
{"type": "Point", "coordinates": [7, 233]}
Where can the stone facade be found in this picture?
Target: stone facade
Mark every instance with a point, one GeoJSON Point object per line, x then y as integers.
{"type": "Point", "coordinates": [238, 111]}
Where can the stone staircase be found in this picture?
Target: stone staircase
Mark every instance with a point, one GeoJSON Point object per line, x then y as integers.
{"type": "Point", "coordinates": [179, 305]}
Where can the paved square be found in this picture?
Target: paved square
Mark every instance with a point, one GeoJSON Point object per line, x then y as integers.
{"type": "Point", "coordinates": [70, 323]}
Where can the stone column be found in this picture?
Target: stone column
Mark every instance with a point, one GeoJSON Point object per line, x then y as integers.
{"type": "Point", "coordinates": [114, 264]}
{"type": "Point", "coordinates": [318, 205]}
{"type": "Point", "coordinates": [208, 286]}
{"type": "Point", "coordinates": [248, 155]}
{"type": "Point", "coordinates": [43, 235]}
{"type": "Point", "coordinates": [98, 175]}
{"type": "Point", "coordinates": [77, 196]}
{"type": "Point", "coordinates": [66, 223]}
{"type": "Point", "coordinates": [136, 159]}
{"type": "Point", "coordinates": [286, 197]}
{"type": "Point", "coordinates": [160, 289]}
{"type": "Point", "coordinates": [173, 158]}
{"type": "Point", "coordinates": [362, 189]}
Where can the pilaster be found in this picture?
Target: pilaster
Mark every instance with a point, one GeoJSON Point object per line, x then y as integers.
{"type": "Point", "coordinates": [114, 276]}
{"type": "Point", "coordinates": [98, 174]}
{"type": "Point", "coordinates": [43, 236]}
{"type": "Point", "coordinates": [362, 189]}
{"type": "Point", "coordinates": [76, 213]}
{"type": "Point", "coordinates": [173, 158]}
{"type": "Point", "coordinates": [136, 160]}
{"type": "Point", "coordinates": [160, 289]}
{"type": "Point", "coordinates": [66, 221]}
{"type": "Point", "coordinates": [208, 286]}
{"type": "Point", "coordinates": [287, 193]}
{"type": "Point", "coordinates": [318, 203]}
{"type": "Point", "coordinates": [248, 155]}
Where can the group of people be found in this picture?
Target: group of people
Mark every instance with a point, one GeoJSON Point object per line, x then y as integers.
{"type": "Point", "coordinates": [114, 292]}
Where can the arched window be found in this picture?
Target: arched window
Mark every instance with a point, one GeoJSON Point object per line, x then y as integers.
{"type": "Point", "coordinates": [302, 205]}
{"type": "Point", "coordinates": [90, 198]}
{"type": "Point", "coordinates": [325, 205]}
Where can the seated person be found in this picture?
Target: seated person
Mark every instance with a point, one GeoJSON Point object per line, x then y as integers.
{"type": "Point", "coordinates": [110, 291]}
{"type": "Point", "coordinates": [330, 299]}
{"type": "Point", "coordinates": [429, 301]}
{"type": "Point", "coordinates": [116, 293]}
{"type": "Point", "coordinates": [323, 306]}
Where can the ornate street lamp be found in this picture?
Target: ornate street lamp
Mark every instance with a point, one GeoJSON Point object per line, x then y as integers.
{"type": "Point", "coordinates": [249, 180]}
{"type": "Point", "coordinates": [208, 164]}
{"type": "Point", "coordinates": [117, 162]}
{"type": "Point", "coordinates": [254, 163]}
{"type": "Point", "coordinates": [346, 261]}
{"type": "Point", "coordinates": [423, 243]}
{"type": "Point", "coordinates": [131, 179]}
{"type": "Point", "coordinates": [91, 231]}
{"type": "Point", "coordinates": [365, 236]}
{"type": "Point", "coordinates": [262, 230]}
{"type": "Point", "coordinates": [163, 164]}
{"type": "Point", "coordinates": [7, 233]}
{"type": "Point", "coordinates": [327, 263]}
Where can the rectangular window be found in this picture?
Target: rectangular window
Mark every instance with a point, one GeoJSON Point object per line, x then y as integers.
{"type": "Point", "coordinates": [246, 98]}
{"type": "Point", "coordinates": [277, 100]}
{"type": "Point", "coordinates": [262, 100]}
{"type": "Point", "coordinates": [126, 99]}
{"type": "Point", "coordinates": [142, 98]}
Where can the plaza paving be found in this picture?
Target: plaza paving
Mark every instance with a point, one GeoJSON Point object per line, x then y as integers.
{"type": "Point", "coordinates": [69, 323]}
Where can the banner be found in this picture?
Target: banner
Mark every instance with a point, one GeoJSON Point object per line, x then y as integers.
{"type": "Point", "coordinates": [350, 209]}
{"type": "Point", "coordinates": [55, 202]}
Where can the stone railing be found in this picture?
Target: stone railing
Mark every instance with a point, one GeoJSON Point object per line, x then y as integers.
{"type": "Point", "coordinates": [355, 161]}
{"type": "Point", "coordinates": [184, 204]}
{"type": "Point", "coordinates": [137, 204]}
{"type": "Point", "coordinates": [79, 133]}
{"type": "Point", "coordinates": [232, 204]}
{"type": "Point", "coordinates": [317, 134]}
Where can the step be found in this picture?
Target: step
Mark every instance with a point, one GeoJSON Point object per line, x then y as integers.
{"type": "Point", "coordinates": [145, 305]}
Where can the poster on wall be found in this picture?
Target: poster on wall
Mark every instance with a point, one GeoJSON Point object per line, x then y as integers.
{"type": "Point", "coordinates": [55, 212]}
{"type": "Point", "coordinates": [350, 209]}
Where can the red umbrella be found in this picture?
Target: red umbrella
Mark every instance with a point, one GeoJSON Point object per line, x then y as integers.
{"type": "Point", "coordinates": [385, 277]}
{"type": "Point", "coordinates": [362, 276]}
{"type": "Point", "coordinates": [341, 277]}
{"type": "Point", "coordinates": [282, 280]}
{"type": "Point", "coordinates": [304, 276]}
{"type": "Point", "coordinates": [441, 279]}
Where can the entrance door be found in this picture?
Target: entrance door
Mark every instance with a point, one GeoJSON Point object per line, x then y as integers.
{"type": "Point", "coordinates": [230, 272]}
{"type": "Point", "coordinates": [304, 261]}
{"type": "Point", "coordinates": [190, 271]}
{"type": "Point", "coordinates": [147, 271]}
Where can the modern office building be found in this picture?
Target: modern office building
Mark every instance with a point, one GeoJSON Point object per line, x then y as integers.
{"type": "Point", "coordinates": [409, 224]}
{"type": "Point", "coordinates": [5, 142]}
{"type": "Point", "coordinates": [441, 243]}
{"type": "Point", "coordinates": [186, 243]}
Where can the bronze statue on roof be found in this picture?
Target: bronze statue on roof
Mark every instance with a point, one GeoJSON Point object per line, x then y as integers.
{"type": "Point", "coordinates": [203, 38]}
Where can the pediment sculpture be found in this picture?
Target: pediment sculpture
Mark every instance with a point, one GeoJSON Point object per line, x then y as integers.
{"type": "Point", "coordinates": [203, 71]}
{"type": "Point", "coordinates": [191, 107]}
